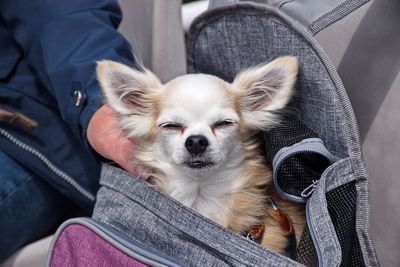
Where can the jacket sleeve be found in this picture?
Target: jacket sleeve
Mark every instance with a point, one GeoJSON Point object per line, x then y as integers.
{"type": "Point", "coordinates": [61, 41]}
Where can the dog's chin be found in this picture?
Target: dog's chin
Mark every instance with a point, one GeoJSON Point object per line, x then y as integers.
{"type": "Point", "coordinates": [199, 167]}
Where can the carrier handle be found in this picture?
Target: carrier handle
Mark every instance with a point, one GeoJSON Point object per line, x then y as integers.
{"type": "Point", "coordinates": [314, 15]}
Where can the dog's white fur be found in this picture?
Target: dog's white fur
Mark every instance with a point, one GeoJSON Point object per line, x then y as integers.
{"type": "Point", "coordinates": [163, 116]}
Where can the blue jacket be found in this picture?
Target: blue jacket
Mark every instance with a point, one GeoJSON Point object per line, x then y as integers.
{"type": "Point", "coordinates": [48, 51]}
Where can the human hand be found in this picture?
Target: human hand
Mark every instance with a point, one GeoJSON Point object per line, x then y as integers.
{"type": "Point", "coordinates": [109, 140]}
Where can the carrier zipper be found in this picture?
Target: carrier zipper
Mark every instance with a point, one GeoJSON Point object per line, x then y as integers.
{"type": "Point", "coordinates": [131, 243]}
{"type": "Point", "coordinates": [48, 163]}
{"type": "Point", "coordinates": [313, 235]}
{"type": "Point", "coordinates": [310, 189]}
{"type": "Point", "coordinates": [292, 198]}
{"type": "Point", "coordinates": [307, 192]}
{"type": "Point", "coordinates": [309, 145]}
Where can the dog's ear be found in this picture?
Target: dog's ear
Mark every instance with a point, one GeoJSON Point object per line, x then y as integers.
{"type": "Point", "coordinates": [131, 93]}
{"type": "Point", "coordinates": [265, 89]}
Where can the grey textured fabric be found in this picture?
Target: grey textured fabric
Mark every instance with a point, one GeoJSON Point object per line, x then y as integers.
{"type": "Point", "coordinates": [131, 206]}
{"type": "Point", "coordinates": [218, 3]}
{"type": "Point", "coordinates": [325, 234]}
{"type": "Point", "coordinates": [230, 38]}
{"type": "Point", "coordinates": [117, 240]}
{"type": "Point", "coordinates": [314, 15]}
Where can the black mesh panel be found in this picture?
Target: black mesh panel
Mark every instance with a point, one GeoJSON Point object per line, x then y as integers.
{"type": "Point", "coordinates": [289, 132]}
{"type": "Point", "coordinates": [306, 253]}
{"type": "Point", "coordinates": [298, 171]}
{"type": "Point", "coordinates": [342, 209]}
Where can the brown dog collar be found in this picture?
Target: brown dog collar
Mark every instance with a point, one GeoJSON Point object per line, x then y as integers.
{"type": "Point", "coordinates": [286, 225]}
{"type": "Point", "coordinates": [256, 232]}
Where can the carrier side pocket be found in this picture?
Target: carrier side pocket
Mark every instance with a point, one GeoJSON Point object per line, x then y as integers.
{"type": "Point", "coordinates": [331, 218]}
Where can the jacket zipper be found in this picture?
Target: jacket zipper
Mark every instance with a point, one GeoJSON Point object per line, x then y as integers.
{"type": "Point", "coordinates": [48, 163]}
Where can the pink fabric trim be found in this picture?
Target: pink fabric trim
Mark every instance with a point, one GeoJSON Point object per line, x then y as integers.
{"type": "Point", "coordinates": [78, 246]}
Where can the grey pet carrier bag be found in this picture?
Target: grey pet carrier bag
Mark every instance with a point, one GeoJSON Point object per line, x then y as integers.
{"type": "Point", "coordinates": [222, 41]}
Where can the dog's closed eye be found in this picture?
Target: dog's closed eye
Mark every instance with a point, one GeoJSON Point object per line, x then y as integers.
{"type": "Point", "coordinates": [223, 126]}
{"type": "Point", "coordinates": [171, 126]}
{"type": "Point", "coordinates": [224, 123]}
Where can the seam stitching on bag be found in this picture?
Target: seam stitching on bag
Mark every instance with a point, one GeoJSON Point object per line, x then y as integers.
{"type": "Point", "coordinates": [335, 15]}
{"type": "Point", "coordinates": [279, 4]}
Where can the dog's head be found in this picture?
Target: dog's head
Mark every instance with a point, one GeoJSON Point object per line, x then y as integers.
{"type": "Point", "coordinates": [196, 121]}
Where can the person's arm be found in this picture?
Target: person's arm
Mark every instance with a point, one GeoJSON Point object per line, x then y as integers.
{"type": "Point", "coordinates": [61, 41]}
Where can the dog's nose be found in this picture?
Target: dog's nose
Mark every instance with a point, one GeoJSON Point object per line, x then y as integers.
{"type": "Point", "coordinates": [196, 144]}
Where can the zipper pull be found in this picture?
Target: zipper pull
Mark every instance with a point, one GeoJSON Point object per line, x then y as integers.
{"type": "Point", "coordinates": [310, 189]}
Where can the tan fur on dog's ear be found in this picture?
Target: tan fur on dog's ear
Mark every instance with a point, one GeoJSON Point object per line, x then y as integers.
{"type": "Point", "coordinates": [265, 89]}
{"type": "Point", "coordinates": [131, 93]}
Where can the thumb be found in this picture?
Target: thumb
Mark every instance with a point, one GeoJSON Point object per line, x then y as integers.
{"type": "Point", "coordinates": [109, 140]}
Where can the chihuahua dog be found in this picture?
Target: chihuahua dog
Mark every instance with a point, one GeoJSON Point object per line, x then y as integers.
{"type": "Point", "coordinates": [196, 139]}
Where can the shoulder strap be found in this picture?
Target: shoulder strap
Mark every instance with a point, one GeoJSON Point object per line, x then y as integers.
{"type": "Point", "coordinates": [218, 3]}
{"type": "Point", "coordinates": [314, 15]}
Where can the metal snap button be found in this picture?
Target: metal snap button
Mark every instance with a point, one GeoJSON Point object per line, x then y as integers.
{"type": "Point", "coordinates": [78, 96]}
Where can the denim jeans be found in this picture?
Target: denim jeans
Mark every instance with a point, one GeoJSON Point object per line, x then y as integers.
{"type": "Point", "coordinates": [29, 207]}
